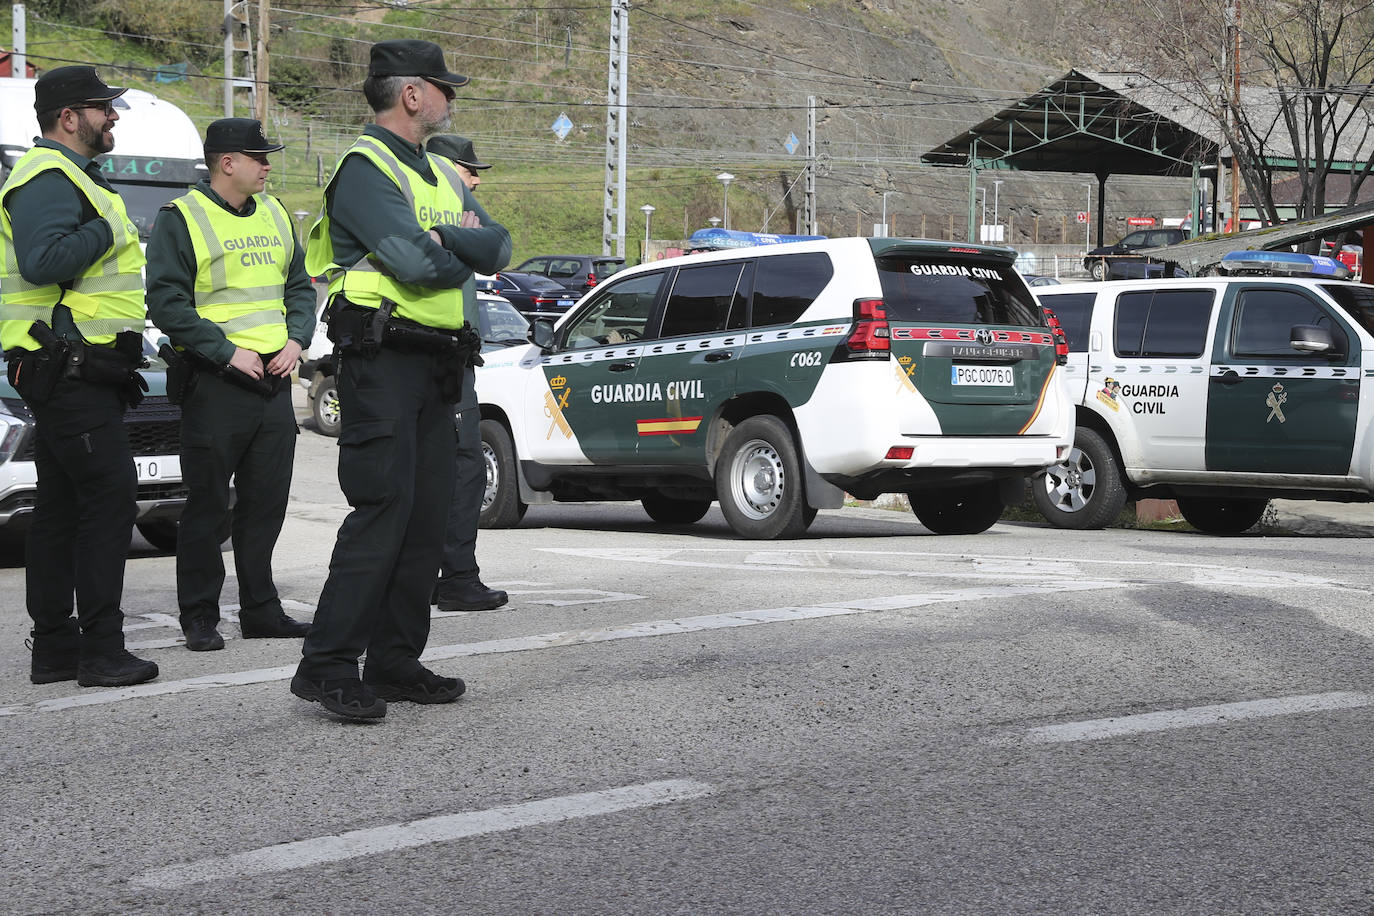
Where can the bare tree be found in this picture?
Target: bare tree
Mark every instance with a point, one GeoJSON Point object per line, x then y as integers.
{"type": "Point", "coordinates": [1306, 69]}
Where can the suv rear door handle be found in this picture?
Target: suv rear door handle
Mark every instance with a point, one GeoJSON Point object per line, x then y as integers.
{"type": "Point", "coordinates": [621, 367]}
{"type": "Point", "coordinates": [1229, 377]}
{"type": "Point", "coordinates": [719, 356]}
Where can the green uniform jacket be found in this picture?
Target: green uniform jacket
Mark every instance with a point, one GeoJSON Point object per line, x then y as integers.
{"type": "Point", "coordinates": [59, 233]}
{"type": "Point", "coordinates": [172, 294]}
{"type": "Point", "coordinates": [372, 215]}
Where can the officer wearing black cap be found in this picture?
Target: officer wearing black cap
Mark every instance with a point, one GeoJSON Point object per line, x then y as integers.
{"type": "Point", "coordinates": [460, 587]}
{"type": "Point", "coordinates": [71, 323]}
{"type": "Point", "coordinates": [227, 284]}
{"type": "Point", "coordinates": [398, 239]}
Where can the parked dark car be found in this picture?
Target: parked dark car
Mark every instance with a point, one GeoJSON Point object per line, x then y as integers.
{"type": "Point", "coordinates": [575, 271]}
{"type": "Point", "coordinates": [1100, 261]}
{"type": "Point", "coordinates": [533, 295]}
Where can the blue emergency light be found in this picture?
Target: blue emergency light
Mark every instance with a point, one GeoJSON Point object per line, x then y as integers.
{"type": "Point", "coordinates": [1285, 264]}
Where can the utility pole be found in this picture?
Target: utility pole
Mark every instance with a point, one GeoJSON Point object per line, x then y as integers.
{"type": "Point", "coordinates": [617, 126]}
{"type": "Point", "coordinates": [1233, 24]}
{"type": "Point", "coordinates": [260, 86]}
{"type": "Point", "coordinates": [236, 43]}
{"type": "Point", "coordinates": [19, 61]}
{"type": "Point", "coordinates": [809, 208]}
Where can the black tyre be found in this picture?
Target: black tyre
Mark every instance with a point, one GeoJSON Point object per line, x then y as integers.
{"type": "Point", "coordinates": [501, 505]}
{"type": "Point", "coordinates": [669, 511]}
{"type": "Point", "coordinates": [161, 533]}
{"type": "Point", "coordinates": [1097, 269]}
{"type": "Point", "coordinates": [759, 481]}
{"type": "Point", "coordinates": [970, 509]}
{"type": "Point", "coordinates": [325, 406]}
{"type": "Point", "coordinates": [1085, 489]}
{"type": "Point", "coordinates": [1221, 515]}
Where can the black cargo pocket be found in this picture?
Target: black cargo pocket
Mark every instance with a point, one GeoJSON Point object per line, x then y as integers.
{"type": "Point", "coordinates": [367, 457]}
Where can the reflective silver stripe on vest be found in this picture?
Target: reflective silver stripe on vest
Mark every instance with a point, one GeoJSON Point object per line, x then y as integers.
{"type": "Point", "coordinates": [249, 321]}
{"type": "Point", "coordinates": [218, 278]}
{"type": "Point", "coordinates": [13, 312]}
{"type": "Point", "coordinates": [97, 326]}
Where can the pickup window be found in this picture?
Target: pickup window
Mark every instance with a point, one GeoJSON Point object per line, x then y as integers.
{"type": "Point", "coordinates": [1265, 318]}
{"type": "Point", "coordinates": [1163, 323]}
{"type": "Point", "coordinates": [1357, 301]}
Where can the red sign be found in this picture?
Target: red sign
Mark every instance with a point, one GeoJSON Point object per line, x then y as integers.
{"type": "Point", "coordinates": [1140, 221]}
{"type": "Point", "coordinates": [1082, 216]}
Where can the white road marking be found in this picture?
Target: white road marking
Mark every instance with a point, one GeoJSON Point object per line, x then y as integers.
{"type": "Point", "coordinates": [640, 630]}
{"type": "Point", "coordinates": [580, 596]}
{"type": "Point", "coordinates": [325, 850]}
{"type": "Point", "coordinates": [1193, 717]}
{"type": "Point", "coordinates": [985, 566]}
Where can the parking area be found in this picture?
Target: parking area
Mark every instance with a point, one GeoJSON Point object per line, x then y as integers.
{"type": "Point", "coordinates": [868, 719]}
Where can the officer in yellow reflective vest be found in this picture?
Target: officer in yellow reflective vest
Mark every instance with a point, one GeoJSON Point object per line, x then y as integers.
{"type": "Point", "coordinates": [398, 246]}
{"type": "Point", "coordinates": [227, 284]}
{"type": "Point", "coordinates": [71, 323]}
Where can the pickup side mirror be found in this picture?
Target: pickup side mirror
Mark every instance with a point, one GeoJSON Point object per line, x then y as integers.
{"type": "Point", "coordinates": [541, 333]}
{"type": "Point", "coordinates": [1308, 338]}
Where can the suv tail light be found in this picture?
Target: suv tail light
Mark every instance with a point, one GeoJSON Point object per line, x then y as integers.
{"type": "Point", "coordinates": [871, 336]}
{"type": "Point", "coordinates": [591, 279]}
{"type": "Point", "coordinates": [1061, 340]}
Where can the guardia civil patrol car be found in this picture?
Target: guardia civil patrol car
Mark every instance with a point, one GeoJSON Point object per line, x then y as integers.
{"type": "Point", "coordinates": [1220, 392]}
{"type": "Point", "coordinates": [776, 379]}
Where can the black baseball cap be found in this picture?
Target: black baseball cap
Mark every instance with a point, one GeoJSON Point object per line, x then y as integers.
{"type": "Point", "coordinates": [456, 148]}
{"type": "Point", "coordinates": [66, 87]}
{"type": "Point", "coordinates": [412, 57]}
{"type": "Point", "coordinates": [238, 135]}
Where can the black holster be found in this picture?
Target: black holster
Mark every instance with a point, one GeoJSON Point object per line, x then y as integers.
{"type": "Point", "coordinates": [357, 330]}
{"type": "Point", "coordinates": [196, 362]}
{"type": "Point", "coordinates": [181, 375]}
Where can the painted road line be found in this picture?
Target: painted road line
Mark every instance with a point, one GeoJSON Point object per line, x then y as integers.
{"type": "Point", "coordinates": [994, 567]}
{"type": "Point", "coordinates": [1192, 717]}
{"type": "Point", "coordinates": [640, 630]}
{"type": "Point", "coordinates": [354, 844]}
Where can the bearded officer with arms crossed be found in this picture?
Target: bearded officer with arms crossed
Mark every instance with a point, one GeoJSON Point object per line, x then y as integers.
{"type": "Point", "coordinates": [460, 587]}
{"type": "Point", "coordinates": [398, 246]}
{"type": "Point", "coordinates": [227, 284]}
{"type": "Point", "coordinates": [71, 322]}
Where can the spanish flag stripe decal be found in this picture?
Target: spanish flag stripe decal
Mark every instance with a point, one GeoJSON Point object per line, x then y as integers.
{"type": "Point", "coordinates": [668, 426]}
{"type": "Point", "coordinates": [1040, 403]}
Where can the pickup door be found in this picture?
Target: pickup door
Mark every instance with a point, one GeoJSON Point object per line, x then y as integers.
{"type": "Point", "coordinates": [1271, 408]}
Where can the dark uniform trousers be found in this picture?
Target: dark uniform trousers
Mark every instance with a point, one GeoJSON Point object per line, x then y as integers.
{"type": "Point", "coordinates": [396, 470]}
{"type": "Point", "coordinates": [83, 519]}
{"type": "Point", "coordinates": [227, 432]}
{"type": "Point", "coordinates": [460, 539]}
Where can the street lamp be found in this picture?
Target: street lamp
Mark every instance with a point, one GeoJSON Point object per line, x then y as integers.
{"type": "Point", "coordinates": [983, 232]}
{"type": "Point", "coordinates": [885, 193]}
{"type": "Point", "coordinates": [725, 178]}
{"type": "Point", "coordinates": [714, 221]}
{"type": "Point", "coordinates": [300, 217]}
{"type": "Point", "coordinates": [648, 211]}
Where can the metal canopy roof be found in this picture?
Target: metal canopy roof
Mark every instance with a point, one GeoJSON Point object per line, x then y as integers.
{"type": "Point", "coordinates": [1098, 123]}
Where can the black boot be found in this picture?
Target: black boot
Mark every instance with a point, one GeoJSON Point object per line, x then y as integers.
{"type": "Point", "coordinates": [55, 656]}
{"type": "Point", "coordinates": [114, 667]}
{"type": "Point", "coordinates": [467, 595]}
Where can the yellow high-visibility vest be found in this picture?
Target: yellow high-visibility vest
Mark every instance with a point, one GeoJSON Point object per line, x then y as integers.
{"type": "Point", "coordinates": [105, 299]}
{"type": "Point", "coordinates": [362, 283]}
{"type": "Point", "coordinates": [242, 263]}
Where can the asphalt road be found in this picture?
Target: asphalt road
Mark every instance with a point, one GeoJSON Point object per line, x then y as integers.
{"type": "Point", "coordinates": [871, 719]}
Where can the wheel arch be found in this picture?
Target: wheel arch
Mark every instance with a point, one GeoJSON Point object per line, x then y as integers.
{"type": "Point", "coordinates": [528, 494]}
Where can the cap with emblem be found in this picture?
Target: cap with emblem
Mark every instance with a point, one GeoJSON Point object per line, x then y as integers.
{"type": "Point", "coordinates": [238, 135]}
{"type": "Point", "coordinates": [459, 149]}
{"type": "Point", "coordinates": [412, 57]}
{"type": "Point", "coordinates": [67, 87]}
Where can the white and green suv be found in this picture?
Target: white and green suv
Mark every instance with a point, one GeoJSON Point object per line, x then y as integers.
{"type": "Point", "coordinates": [776, 379]}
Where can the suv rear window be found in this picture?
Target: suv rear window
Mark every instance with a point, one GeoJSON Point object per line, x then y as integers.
{"type": "Point", "coordinates": [920, 290]}
{"type": "Point", "coordinates": [604, 269]}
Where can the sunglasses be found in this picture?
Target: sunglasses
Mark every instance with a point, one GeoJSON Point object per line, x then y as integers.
{"type": "Point", "coordinates": [107, 108]}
